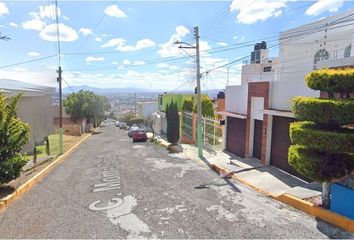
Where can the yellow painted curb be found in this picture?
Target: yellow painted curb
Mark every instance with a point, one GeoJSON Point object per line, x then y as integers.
{"type": "Point", "coordinates": [324, 214]}
{"type": "Point", "coordinates": [307, 207]}
{"type": "Point", "coordinates": [37, 178]}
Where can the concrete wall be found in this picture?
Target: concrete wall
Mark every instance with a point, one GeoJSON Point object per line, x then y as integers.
{"type": "Point", "coordinates": [236, 99]}
{"type": "Point", "coordinates": [37, 112]}
{"type": "Point", "coordinates": [281, 93]}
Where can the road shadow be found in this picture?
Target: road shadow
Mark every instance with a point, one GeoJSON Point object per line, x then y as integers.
{"type": "Point", "coordinates": [226, 178]}
{"type": "Point", "coordinates": [6, 190]}
{"type": "Point", "coordinates": [331, 231]}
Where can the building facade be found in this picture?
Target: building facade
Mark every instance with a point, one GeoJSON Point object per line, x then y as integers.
{"type": "Point", "coordinates": [258, 112]}
{"type": "Point", "coordinates": [34, 108]}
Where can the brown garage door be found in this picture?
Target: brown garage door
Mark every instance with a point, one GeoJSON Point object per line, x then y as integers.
{"type": "Point", "coordinates": [236, 134]}
{"type": "Point", "coordinates": [280, 145]}
{"type": "Point", "coordinates": [257, 139]}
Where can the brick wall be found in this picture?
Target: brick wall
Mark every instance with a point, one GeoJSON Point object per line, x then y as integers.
{"type": "Point", "coordinates": [257, 89]}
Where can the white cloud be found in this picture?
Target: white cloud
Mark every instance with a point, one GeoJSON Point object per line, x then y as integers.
{"type": "Point", "coordinates": [114, 42]}
{"type": "Point", "coordinates": [33, 54]}
{"type": "Point", "coordinates": [114, 11]}
{"type": "Point", "coordinates": [250, 12]}
{"type": "Point", "coordinates": [223, 44]}
{"type": "Point", "coordinates": [239, 39]}
{"type": "Point", "coordinates": [322, 6]}
{"type": "Point", "coordinates": [48, 11]}
{"type": "Point", "coordinates": [34, 24]}
{"type": "Point", "coordinates": [170, 49]}
{"type": "Point", "coordinates": [98, 39]}
{"type": "Point", "coordinates": [3, 9]}
{"type": "Point", "coordinates": [66, 18]}
{"type": "Point", "coordinates": [115, 63]}
{"type": "Point", "coordinates": [119, 43]}
{"type": "Point", "coordinates": [94, 59]}
{"type": "Point", "coordinates": [67, 34]}
{"type": "Point", "coordinates": [85, 31]}
{"type": "Point", "coordinates": [126, 62]}
{"type": "Point", "coordinates": [12, 24]}
{"type": "Point", "coordinates": [141, 44]}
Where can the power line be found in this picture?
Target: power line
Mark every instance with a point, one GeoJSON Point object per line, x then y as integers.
{"type": "Point", "coordinates": [29, 61]}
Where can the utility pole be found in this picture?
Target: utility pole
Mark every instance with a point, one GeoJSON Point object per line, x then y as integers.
{"type": "Point", "coordinates": [59, 79]}
{"type": "Point", "coordinates": [198, 92]}
{"type": "Point", "coordinates": [199, 97]}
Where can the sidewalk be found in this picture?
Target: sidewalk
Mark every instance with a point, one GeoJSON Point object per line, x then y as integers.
{"type": "Point", "coordinates": [268, 179]}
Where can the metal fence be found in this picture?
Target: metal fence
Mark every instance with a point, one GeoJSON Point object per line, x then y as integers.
{"type": "Point", "coordinates": [212, 131]}
{"type": "Point", "coordinates": [187, 125]}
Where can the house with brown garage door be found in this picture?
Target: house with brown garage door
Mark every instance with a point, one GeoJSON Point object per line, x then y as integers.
{"type": "Point", "coordinates": [258, 111]}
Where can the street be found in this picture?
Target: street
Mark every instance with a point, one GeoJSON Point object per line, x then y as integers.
{"type": "Point", "coordinates": [112, 188]}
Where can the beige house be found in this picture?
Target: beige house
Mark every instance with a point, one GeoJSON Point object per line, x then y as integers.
{"type": "Point", "coordinates": [34, 108]}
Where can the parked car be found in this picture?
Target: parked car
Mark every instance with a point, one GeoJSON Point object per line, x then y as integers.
{"type": "Point", "coordinates": [117, 123]}
{"type": "Point", "coordinates": [122, 125]}
{"type": "Point", "coordinates": [139, 136]}
{"type": "Point", "coordinates": [132, 130]}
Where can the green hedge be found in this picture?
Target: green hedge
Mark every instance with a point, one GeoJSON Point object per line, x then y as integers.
{"type": "Point", "coordinates": [320, 166]}
{"type": "Point", "coordinates": [324, 111]}
{"type": "Point", "coordinates": [305, 161]}
{"type": "Point", "coordinates": [309, 135]}
{"type": "Point", "coordinates": [332, 80]}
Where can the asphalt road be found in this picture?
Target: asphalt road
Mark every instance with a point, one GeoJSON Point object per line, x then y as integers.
{"type": "Point", "coordinates": [112, 188]}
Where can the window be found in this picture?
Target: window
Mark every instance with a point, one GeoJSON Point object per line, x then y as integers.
{"type": "Point", "coordinates": [321, 55]}
{"type": "Point", "coordinates": [347, 51]}
{"type": "Point", "coordinates": [267, 69]}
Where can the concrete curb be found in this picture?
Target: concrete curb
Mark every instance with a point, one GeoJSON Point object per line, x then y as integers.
{"type": "Point", "coordinates": [38, 177]}
{"type": "Point", "coordinates": [307, 207]}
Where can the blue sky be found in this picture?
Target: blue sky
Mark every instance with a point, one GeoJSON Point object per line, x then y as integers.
{"type": "Point", "coordinates": [130, 43]}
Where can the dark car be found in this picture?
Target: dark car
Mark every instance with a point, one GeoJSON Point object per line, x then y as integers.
{"type": "Point", "coordinates": [139, 136]}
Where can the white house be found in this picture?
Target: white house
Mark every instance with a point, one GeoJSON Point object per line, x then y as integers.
{"type": "Point", "coordinates": [34, 108]}
{"type": "Point", "coordinates": [258, 112]}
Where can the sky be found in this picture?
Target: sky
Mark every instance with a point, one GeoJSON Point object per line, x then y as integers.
{"type": "Point", "coordinates": [116, 44]}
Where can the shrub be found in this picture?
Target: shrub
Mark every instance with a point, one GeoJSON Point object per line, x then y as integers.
{"type": "Point", "coordinates": [207, 107]}
{"type": "Point", "coordinates": [337, 165]}
{"type": "Point", "coordinates": [14, 134]}
{"type": "Point", "coordinates": [332, 81]}
{"type": "Point", "coordinates": [311, 136]}
{"type": "Point", "coordinates": [136, 121]}
{"type": "Point", "coordinates": [305, 161]}
{"type": "Point", "coordinates": [324, 111]}
{"type": "Point", "coordinates": [172, 117]}
{"type": "Point", "coordinates": [187, 105]}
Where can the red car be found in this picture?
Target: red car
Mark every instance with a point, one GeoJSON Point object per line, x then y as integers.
{"type": "Point", "coordinates": [139, 136]}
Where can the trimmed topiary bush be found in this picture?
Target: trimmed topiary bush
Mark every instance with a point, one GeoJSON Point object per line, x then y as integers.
{"type": "Point", "coordinates": [320, 166]}
{"type": "Point", "coordinates": [310, 135]}
{"type": "Point", "coordinates": [305, 161]}
{"type": "Point", "coordinates": [332, 81]}
{"type": "Point", "coordinates": [324, 111]}
{"type": "Point", "coordinates": [172, 117]}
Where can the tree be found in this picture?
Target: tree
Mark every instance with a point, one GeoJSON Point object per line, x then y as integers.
{"type": "Point", "coordinates": [172, 117]}
{"type": "Point", "coordinates": [322, 144]}
{"type": "Point", "coordinates": [14, 134]}
{"type": "Point", "coordinates": [86, 104]}
{"type": "Point", "coordinates": [187, 105]}
{"type": "Point", "coordinates": [47, 147]}
{"type": "Point", "coordinates": [207, 107]}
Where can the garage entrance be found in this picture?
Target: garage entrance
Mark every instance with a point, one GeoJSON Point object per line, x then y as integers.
{"type": "Point", "coordinates": [257, 139]}
{"type": "Point", "coordinates": [236, 135]}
